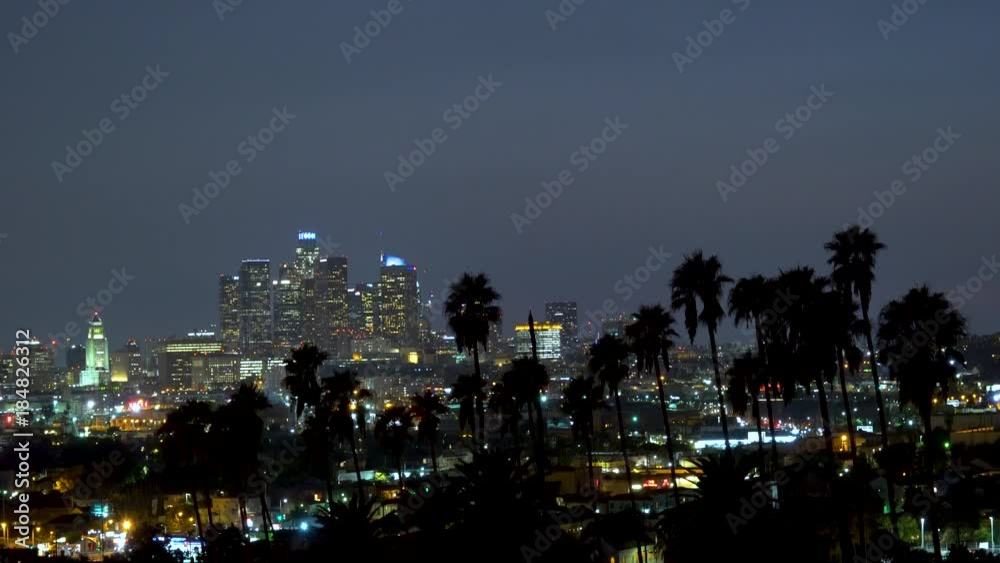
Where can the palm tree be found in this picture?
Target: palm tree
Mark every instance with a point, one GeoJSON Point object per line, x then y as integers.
{"type": "Point", "coordinates": [608, 357]}
{"type": "Point", "coordinates": [341, 398]}
{"type": "Point", "coordinates": [580, 399]}
{"type": "Point", "coordinates": [527, 379]}
{"type": "Point", "coordinates": [852, 254]}
{"type": "Point", "coordinates": [751, 300]}
{"type": "Point", "coordinates": [354, 530]}
{"type": "Point", "coordinates": [701, 279]}
{"type": "Point", "coordinates": [392, 432]}
{"type": "Point", "coordinates": [471, 309]}
{"type": "Point", "coordinates": [302, 383]}
{"type": "Point", "coordinates": [469, 392]}
{"type": "Point", "coordinates": [185, 447]}
{"type": "Point", "coordinates": [919, 334]}
{"type": "Point", "coordinates": [238, 435]}
{"type": "Point", "coordinates": [506, 402]}
{"type": "Point", "coordinates": [649, 336]}
{"type": "Point", "coordinates": [743, 387]}
{"type": "Point", "coordinates": [427, 408]}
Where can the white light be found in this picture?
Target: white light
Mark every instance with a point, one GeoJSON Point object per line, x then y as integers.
{"type": "Point", "coordinates": [303, 526]}
{"type": "Point", "coordinates": [90, 404]}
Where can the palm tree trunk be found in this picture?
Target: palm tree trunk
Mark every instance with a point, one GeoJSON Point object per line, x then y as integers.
{"type": "Point", "coordinates": [628, 466]}
{"type": "Point", "coordinates": [883, 423]}
{"type": "Point", "coordinates": [357, 469]}
{"type": "Point", "coordinates": [244, 516]}
{"type": "Point", "coordinates": [824, 410]}
{"type": "Point", "coordinates": [197, 517]}
{"type": "Point", "coordinates": [592, 488]}
{"type": "Point", "coordinates": [480, 408]}
{"type": "Point", "coordinates": [932, 513]}
{"type": "Point", "coordinates": [851, 442]}
{"type": "Point", "coordinates": [666, 428]}
{"type": "Point", "coordinates": [770, 422]}
{"type": "Point", "coordinates": [208, 504]}
{"type": "Point", "coordinates": [402, 480]}
{"type": "Point", "coordinates": [434, 459]}
{"type": "Point", "coordinates": [760, 433]}
{"type": "Point", "coordinates": [718, 389]}
{"type": "Point", "coordinates": [266, 515]}
{"type": "Point", "coordinates": [540, 421]}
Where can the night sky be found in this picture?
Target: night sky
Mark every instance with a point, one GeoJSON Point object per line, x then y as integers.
{"type": "Point", "coordinates": [654, 185]}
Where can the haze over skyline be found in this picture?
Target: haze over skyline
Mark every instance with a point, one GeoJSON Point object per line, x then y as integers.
{"type": "Point", "coordinates": [656, 185]}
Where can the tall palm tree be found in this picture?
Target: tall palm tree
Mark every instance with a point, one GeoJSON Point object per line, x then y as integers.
{"type": "Point", "coordinates": [427, 409]}
{"type": "Point", "coordinates": [609, 364]}
{"type": "Point", "coordinates": [302, 383]}
{"type": "Point", "coordinates": [751, 302]}
{"type": "Point", "coordinates": [853, 252]}
{"type": "Point", "coordinates": [580, 399]}
{"type": "Point", "coordinates": [744, 384]}
{"type": "Point", "coordinates": [649, 336]}
{"type": "Point", "coordinates": [392, 432]}
{"type": "Point", "coordinates": [342, 394]}
{"type": "Point", "coordinates": [919, 334]}
{"type": "Point", "coordinates": [506, 402]}
{"type": "Point", "coordinates": [469, 391]}
{"type": "Point", "coordinates": [471, 309]}
{"type": "Point", "coordinates": [238, 435]}
{"type": "Point", "coordinates": [527, 379]}
{"type": "Point", "coordinates": [700, 279]}
{"type": "Point", "coordinates": [186, 450]}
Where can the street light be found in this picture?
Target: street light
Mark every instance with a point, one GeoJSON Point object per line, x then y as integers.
{"type": "Point", "coordinates": [993, 544]}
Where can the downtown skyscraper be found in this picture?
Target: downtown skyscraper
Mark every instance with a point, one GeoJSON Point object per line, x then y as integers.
{"type": "Point", "coordinates": [330, 304]}
{"type": "Point", "coordinates": [398, 302]}
{"type": "Point", "coordinates": [98, 359]}
{"type": "Point", "coordinates": [288, 307]}
{"type": "Point", "coordinates": [229, 311]}
{"type": "Point", "coordinates": [256, 321]}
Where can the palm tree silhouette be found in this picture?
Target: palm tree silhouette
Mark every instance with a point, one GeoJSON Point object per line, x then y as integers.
{"type": "Point", "coordinates": [392, 432]}
{"type": "Point", "coordinates": [608, 363]}
{"type": "Point", "coordinates": [186, 448]}
{"type": "Point", "coordinates": [580, 399]}
{"type": "Point", "coordinates": [744, 384]}
{"type": "Point", "coordinates": [238, 436]}
{"type": "Point", "coordinates": [427, 409]}
{"type": "Point", "coordinates": [919, 334]}
{"type": "Point", "coordinates": [341, 399]}
{"type": "Point", "coordinates": [469, 392]}
{"type": "Point", "coordinates": [649, 336]}
{"type": "Point", "coordinates": [752, 303]}
{"type": "Point", "coordinates": [302, 368]}
{"type": "Point", "coordinates": [471, 309]}
{"type": "Point", "coordinates": [701, 279]}
{"type": "Point", "coordinates": [527, 379]}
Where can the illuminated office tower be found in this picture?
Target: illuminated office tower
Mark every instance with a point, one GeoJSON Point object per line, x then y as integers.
{"type": "Point", "coordinates": [119, 366]}
{"type": "Point", "coordinates": [361, 309]}
{"type": "Point", "coordinates": [287, 308]}
{"type": "Point", "coordinates": [331, 301]}
{"type": "Point", "coordinates": [310, 316]}
{"type": "Point", "coordinates": [256, 322]}
{"type": "Point", "coordinates": [564, 313]}
{"type": "Point", "coordinates": [176, 358]}
{"type": "Point", "coordinates": [229, 311]}
{"type": "Point", "coordinates": [548, 336]}
{"type": "Point", "coordinates": [76, 362]}
{"type": "Point", "coordinates": [98, 362]}
{"type": "Point", "coordinates": [398, 302]}
{"type": "Point", "coordinates": [306, 256]}
{"type": "Point", "coordinates": [43, 367]}
{"type": "Point", "coordinates": [135, 370]}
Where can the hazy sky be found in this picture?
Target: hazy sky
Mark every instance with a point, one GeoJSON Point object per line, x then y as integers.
{"type": "Point", "coordinates": [654, 185]}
